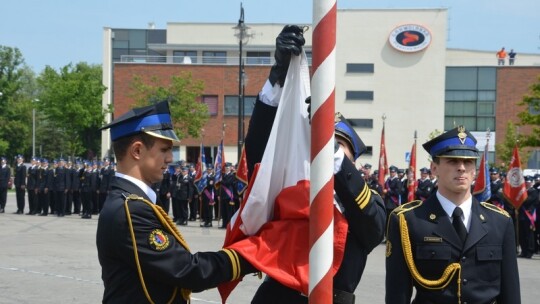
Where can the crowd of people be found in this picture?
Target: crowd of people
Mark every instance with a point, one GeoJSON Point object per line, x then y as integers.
{"type": "Point", "coordinates": [80, 188]}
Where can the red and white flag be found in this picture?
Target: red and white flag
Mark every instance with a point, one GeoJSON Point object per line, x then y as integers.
{"type": "Point", "coordinates": [383, 162]}
{"type": "Point", "coordinates": [271, 228]}
{"type": "Point", "coordinates": [411, 186]}
{"type": "Point", "coordinates": [515, 189]}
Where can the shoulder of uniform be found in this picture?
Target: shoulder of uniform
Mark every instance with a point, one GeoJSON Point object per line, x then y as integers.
{"type": "Point", "coordinates": [408, 207]}
{"type": "Point", "coordinates": [494, 208]}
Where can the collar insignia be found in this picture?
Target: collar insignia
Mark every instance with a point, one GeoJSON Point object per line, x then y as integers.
{"type": "Point", "coordinates": [158, 240]}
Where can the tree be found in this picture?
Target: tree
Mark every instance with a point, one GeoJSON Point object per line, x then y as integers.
{"type": "Point", "coordinates": [70, 101]}
{"type": "Point", "coordinates": [505, 149]}
{"type": "Point", "coordinates": [17, 82]}
{"type": "Point", "coordinates": [188, 113]}
{"type": "Point", "coordinates": [531, 116]}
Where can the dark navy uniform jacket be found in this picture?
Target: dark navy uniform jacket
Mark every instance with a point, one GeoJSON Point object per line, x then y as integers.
{"type": "Point", "coordinates": [488, 256]}
{"type": "Point", "coordinates": [366, 223]}
{"type": "Point", "coordinates": [165, 262]}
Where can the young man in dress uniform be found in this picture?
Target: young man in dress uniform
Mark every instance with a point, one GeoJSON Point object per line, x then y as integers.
{"type": "Point", "coordinates": [31, 181]}
{"type": "Point", "coordinates": [451, 248]}
{"type": "Point", "coordinates": [363, 209]}
{"type": "Point", "coordinates": [143, 256]}
{"type": "Point", "coordinates": [20, 183]}
{"type": "Point", "coordinates": [5, 175]}
{"type": "Point", "coordinates": [425, 187]}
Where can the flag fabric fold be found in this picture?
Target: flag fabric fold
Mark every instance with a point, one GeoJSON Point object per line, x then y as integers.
{"type": "Point", "coordinates": [412, 172]}
{"type": "Point", "coordinates": [515, 190]}
{"type": "Point", "coordinates": [242, 173]}
{"type": "Point", "coordinates": [276, 201]}
{"type": "Point", "coordinates": [383, 161]}
{"type": "Point", "coordinates": [482, 185]}
{"type": "Point", "coordinates": [219, 165]}
{"type": "Point", "coordinates": [200, 179]}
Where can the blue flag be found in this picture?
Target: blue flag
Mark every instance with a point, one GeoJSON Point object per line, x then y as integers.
{"type": "Point", "coordinates": [201, 177]}
{"type": "Point", "coordinates": [482, 185]}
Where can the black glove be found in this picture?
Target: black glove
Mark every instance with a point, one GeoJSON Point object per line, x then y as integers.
{"type": "Point", "coordinates": [308, 101]}
{"type": "Point", "coordinates": [289, 41]}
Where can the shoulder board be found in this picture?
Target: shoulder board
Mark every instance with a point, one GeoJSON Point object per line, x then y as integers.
{"type": "Point", "coordinates": [494, 208]}
{"type": "Point", "coordinates": [374, 192]}
{"type": "Point", "coordinates": [408, 207]}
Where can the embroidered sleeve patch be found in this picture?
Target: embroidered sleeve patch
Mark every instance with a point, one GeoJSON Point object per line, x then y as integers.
{"type": "Point", "coordinates": [158, 240]}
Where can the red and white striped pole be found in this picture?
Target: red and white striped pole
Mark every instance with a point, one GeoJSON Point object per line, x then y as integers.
{"type": "Point", "coordinates": [321, 224]}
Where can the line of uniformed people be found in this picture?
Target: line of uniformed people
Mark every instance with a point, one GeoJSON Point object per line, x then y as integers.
{"type": "Point", "coordinates": [191, 200]}
{"type": "Point", "coordinates": [64, 187]}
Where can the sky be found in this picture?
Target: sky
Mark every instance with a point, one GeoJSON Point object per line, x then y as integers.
{"type": "Point", "coordinates": [59, 32]}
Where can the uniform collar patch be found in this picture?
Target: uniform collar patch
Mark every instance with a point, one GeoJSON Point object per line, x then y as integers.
{"type": "Point", "coordinates": [158, 240]}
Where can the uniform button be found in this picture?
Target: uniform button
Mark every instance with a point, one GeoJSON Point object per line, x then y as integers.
{"type": "Point", "coordinates": [433, 253]}
{"type": "Point", "coordinates": [491, 253]}
{"type": "Point", "coordinates": [465, 281]}
{"type": "Point", "coordinates": [349, 175]}
{"type": "Point", "coordinates": [464, 302]}
{"type": "Point", "coordinates": [463, 259]}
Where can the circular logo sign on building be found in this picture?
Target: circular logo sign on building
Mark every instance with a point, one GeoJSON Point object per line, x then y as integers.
{"type": "Point", "coordinates": [410, 38]}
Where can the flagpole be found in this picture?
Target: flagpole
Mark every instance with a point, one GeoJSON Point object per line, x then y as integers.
{"type": "Point", "coordinates": [321, 222]}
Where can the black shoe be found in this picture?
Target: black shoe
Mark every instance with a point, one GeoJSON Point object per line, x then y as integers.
{"type": "Point", "coordinates": [68, 213]}
{"type": "Point", "coordinates": [207, 225]}
{"type": "Point", "coordinates": [43, 214]}
{"type": "Point", "coordinates": [2, 210]}
{"type": "Point", "coordinates": [86, 216]}
{"type": "Point", "coordinates": [221, 227]}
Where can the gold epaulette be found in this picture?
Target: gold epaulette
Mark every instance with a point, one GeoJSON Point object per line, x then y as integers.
{"type": "Point", "coordinates": [494, 208]}
{"type": "Point", "coordinates": [407, 207]}
{"type": "Point", "coordinates": [169, 226]}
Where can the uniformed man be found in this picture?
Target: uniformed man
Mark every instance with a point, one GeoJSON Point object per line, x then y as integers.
{"type": "Point", "coordinates": [5, 176]}
{"type": "Point", "coordinates": [164, 191]}
{"type": "Point", "coordinates": [451, 248]}
{"type": "Point", "coordinates": [143, 256]}
{"type": "Point", "coordinates": [207, 198]}
{"type": "Point", "coordinates": [105, 175]}
{"type": "Point", "coordinates": [76, 174]}
{"type": "Point", "coordinates": [424, 185]}
{"type": "Point", "coordinates": [45, 183]}
{"type": "Point", "coordinates": [61, 185]}
{"type": "Point", "coordinates": [20, 184]}
{"type": "Point", "coordinates": [226, 195]}
{"type": "Point", "coordinates": [87, 182]}
{"type": "Point", "coordinates": [363, 209]}
{"type": "Point", "coordinates": [496, 187]}
{"type": "Point", "coordinates": [392, 191]}
{"type": "Point", "coordinates": [194, 204]}
{"type": "Point", "coordinates": [183, 193]}
{"type": "Point", "coordinates": [31, 182]}
{"type": "Point", "coordinates": [527, 220]}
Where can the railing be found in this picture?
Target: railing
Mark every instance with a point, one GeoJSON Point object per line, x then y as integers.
{"type": "Point", "coordinates": [200, 60]}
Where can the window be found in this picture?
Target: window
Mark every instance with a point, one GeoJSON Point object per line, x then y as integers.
{"type": "Point", "coordinates": [214, 57]}
{"type": "Point", "coordinates": [258, 58]}
{"type": "Point", "coordinates": [231, 105]}
{"type": "Point", "coordinates": [361, 123]}
{"type": "Point", "coordinates": [359, 95]}
{"type": "Point", "coordinates": [182, 56]}
{"type": "Point", "coordinates": [360, 68]}
{"type": "Point", "coordinates": [211, 102]}
{"type": "Point", "coordinates": [369, 151]}
{"type": "Point", "coordinates": [534, 107]}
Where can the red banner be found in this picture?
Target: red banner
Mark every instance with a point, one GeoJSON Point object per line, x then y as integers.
{"type": "Point", "coordinates": [515, 190]}
{"type": "Point", "coordinates": [383, 162]}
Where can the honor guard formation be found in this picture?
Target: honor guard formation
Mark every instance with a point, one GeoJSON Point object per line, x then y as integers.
{"type": "Point", "coordinates": [443, 245]}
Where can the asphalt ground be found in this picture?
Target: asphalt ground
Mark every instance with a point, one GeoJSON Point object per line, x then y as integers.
{"type": "Point", "coordinates": [54, 260]}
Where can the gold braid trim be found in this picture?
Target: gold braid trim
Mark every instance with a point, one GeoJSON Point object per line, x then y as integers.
{"type": "Point", "coordinates": [170, 227]}
{"type": "Point", "coordinates": [438, 284]}
{"type": "Point", "coordinates": [495, 208]}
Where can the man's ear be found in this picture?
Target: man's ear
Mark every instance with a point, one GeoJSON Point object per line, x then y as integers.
{"type": "Point", "coordinates": [136, 149]}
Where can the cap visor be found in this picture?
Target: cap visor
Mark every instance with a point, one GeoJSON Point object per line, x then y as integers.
{"type": "Point", "coordinates": [164, 134]}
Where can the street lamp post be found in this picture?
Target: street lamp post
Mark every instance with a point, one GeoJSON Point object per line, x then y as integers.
{"type": "Point", "coordinates": [241, 34]}
{"type": "Point", "coordinates": [34, 128]}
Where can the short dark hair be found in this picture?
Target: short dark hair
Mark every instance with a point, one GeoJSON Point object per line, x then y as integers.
{"type": "Point", "coordinates": [121, 145]}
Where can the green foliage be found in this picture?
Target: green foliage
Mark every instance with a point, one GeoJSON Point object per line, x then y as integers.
{"type": "Point", "coordinates": [188, 113]}
{"type": "Point", "coordinates": [70, 102]}
{"type": "Point", "coordinates": [16, 81]}
{"type": "Point", "coordinates": [531, 116]}
{"type": "Point", "coordinates": [506, 148]}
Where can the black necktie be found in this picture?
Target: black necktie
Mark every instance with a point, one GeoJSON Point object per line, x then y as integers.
{"type": "Point", "coordinates": [458, 224]}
